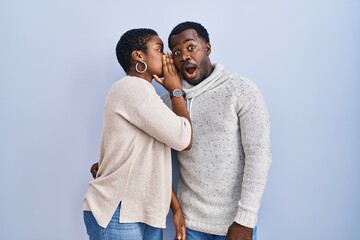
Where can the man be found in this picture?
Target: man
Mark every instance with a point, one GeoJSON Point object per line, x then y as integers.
{"type": "Point", "coordinates": [223, 176]}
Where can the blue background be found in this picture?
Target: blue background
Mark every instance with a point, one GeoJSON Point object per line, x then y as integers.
{"type": "Point", "coordinates": [57, 62]}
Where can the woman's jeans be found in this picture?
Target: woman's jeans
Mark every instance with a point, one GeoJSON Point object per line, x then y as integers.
{"type": "Point", "coordinates": [196, 235]}
{"type": "Point", "coordinates": [120, 231]}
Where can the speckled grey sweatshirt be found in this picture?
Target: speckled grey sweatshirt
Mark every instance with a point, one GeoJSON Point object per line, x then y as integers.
{"type": "Point", "coordinates": [223, 176]}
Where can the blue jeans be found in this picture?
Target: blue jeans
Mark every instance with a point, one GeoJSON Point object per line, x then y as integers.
{"type": "Point", "coordinates": [120, 231]}
{"type": "Point", "coordinates": [196, 235]}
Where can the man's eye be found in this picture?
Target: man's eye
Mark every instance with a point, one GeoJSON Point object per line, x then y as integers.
{"type": "Point", "coordinates": [161, 50]}
{"type": "Point", "coordinates": [191, 47]}
{"type": "Point", "coordinates": [177, 53]}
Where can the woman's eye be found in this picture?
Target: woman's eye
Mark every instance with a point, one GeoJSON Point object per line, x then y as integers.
{"type": "Point", "coordinates": [176, 53]}
{"type": "Point", "coordinates": [161, 50]}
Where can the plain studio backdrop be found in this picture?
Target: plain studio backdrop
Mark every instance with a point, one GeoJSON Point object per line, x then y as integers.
{"type": "Point", "coordinates": [57, 62]}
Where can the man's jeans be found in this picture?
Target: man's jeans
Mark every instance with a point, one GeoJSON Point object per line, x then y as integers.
{"type": "Point", "coordinates": [196, 235]}
{"type": "Point", "coordinates": [120, 231]}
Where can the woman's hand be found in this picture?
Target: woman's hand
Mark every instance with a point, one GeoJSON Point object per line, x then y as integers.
{"type": "Point", "coordinates": [171, 78]}
{"type": "Point", "coordinates": [94, 169]}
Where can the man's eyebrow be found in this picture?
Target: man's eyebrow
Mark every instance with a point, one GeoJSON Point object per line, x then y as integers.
{"type": "Point", "coordinates": [186, 40]}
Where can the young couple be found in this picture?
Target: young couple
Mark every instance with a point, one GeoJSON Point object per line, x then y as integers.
{"type": "Point", "coordinates": [223, 149]}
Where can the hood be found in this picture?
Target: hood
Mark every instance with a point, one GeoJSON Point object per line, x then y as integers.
{"type": "Point", "coordinates": [215, 78]}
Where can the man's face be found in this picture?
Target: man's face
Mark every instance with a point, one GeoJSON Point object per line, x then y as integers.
{"type": "Point", "coordinates": [191, 56]}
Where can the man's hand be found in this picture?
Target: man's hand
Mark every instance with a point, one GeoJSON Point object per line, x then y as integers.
{"type": "Point", "coordinates": [94, 169]}
{"type": "Point", "coordinates": [239, 232]}
{"type": "Point", "coordinates": [178, 217]}
{"type": "Point", "coordinates": [179, 223]}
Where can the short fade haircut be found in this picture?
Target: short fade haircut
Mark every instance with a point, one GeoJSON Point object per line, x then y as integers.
{"type": "Point", "coordinates": [201, 31]}
{"type": "Point", "coordinates": [132, 40]}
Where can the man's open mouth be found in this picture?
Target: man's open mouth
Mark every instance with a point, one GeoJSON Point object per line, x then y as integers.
{"type": "Point", "coordinates": [190, 70]}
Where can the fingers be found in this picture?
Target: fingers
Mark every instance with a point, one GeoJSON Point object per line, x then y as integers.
{"type": "Point", "coordinates": [179, 237]}
{"type": "Point", "coordinates": [171, 79]}
{"type": "Point", "coordinates": [180, 233]}
{"type": "Point", "coordinates": [169, 68]}
{"type": "Point", "coordinates": [164, 61]}
{"type": "Point", "coordinates": [168, 63]}
{"type": "Point", "coordinates": [171, 63]}
{"type": "Point", "coordinates": [94, 168]}
{"type": "Point", "coordinates": [183, 232]}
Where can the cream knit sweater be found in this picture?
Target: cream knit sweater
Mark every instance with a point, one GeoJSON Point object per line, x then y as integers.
{"type": "Point", "coordinates": [135, 156]}
{"type": "Point", "coordinates": [223, 176]}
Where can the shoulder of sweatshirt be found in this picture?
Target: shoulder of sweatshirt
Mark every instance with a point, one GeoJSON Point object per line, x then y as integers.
{"type": "Point", "coordinates": [166, 99]}
{"type": "Point", "coordinates": [129, 88]}
{"type": "Point", "coordinates": [242, 86]}
{"type": "Point", "coordinates": [129, 93]}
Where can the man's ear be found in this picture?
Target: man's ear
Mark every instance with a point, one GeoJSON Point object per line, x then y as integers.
{"type": "Point", "coordinates": [137, 55]}
{"type": "Point", "coordinates": [208, 49]}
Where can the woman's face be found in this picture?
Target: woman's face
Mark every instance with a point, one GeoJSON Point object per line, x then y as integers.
{"type": "Point", "coordinates": [155, 51]}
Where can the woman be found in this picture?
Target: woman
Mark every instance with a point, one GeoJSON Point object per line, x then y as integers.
{"type": "Point", "coordinates": [131, 194]}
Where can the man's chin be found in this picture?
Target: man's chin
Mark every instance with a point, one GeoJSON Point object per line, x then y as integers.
{"type": "Point", "coordinates": [193, 81]}
{"type": "Point", "coordinates": [190, 77]}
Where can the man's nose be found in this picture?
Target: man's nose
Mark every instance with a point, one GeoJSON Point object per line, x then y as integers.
{"type": "Point", "coordinates": [185, 56]}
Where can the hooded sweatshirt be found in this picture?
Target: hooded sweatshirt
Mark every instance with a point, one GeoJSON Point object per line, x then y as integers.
{"type": "Point", "coordinates": [223, 176]}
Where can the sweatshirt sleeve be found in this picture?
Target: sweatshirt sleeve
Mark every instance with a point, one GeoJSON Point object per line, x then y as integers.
{"type": "Point", "coordinates": [255, 137]}
{"type": "Point", "coordinates": [142, 106]}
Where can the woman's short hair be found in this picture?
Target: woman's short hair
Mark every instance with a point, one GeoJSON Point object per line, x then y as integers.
{"type": "Point", "coordinates": [132, 40]}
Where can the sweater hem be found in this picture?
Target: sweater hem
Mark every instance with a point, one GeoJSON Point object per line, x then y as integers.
{"type": "Point", "coordinates": [208, 228]}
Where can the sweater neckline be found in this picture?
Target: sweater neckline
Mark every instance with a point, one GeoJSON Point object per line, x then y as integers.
{"type": "Point", "coordinates": [213, 80]}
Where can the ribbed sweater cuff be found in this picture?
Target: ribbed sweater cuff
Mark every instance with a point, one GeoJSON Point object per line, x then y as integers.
{"type": "Point", "coordinates": [246, 219]}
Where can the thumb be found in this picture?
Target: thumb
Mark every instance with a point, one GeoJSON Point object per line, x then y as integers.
{"type": "Point", "coordinates": [159, 80]}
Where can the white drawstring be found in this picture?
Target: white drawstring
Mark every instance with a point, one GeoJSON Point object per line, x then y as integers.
{"type": "Point", "coordinates": [189, 103]}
